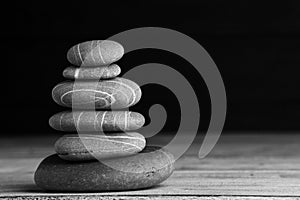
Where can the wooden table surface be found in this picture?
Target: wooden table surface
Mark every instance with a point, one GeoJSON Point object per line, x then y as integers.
{"type": "Point", "coordinates": [241, 166]}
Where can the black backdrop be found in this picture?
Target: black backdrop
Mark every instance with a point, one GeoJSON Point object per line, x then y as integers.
{"type": "Point", "coordinates": [256, 46]}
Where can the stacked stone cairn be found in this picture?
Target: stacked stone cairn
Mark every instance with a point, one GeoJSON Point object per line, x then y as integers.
{"type": "Point", "coordinates": [104, 154]}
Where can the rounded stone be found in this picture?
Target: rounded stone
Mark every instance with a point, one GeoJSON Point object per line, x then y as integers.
{"type": "Point", "coordinates": [84, 147]}
{"type": "Point", "coordinates": [104, 72]}
{"type": "Point", "coordinates": [97, 121]}
{"type": "Point", "coordinates": [95, 53]}
{"type": "Point", "coordinates": [143, 170]}
{"type": "Point", "coordinates": [106, 94]}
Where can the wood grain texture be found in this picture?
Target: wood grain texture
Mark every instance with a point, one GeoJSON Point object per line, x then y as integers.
{"type": "Point", "coordinates": [116, 93]}
{"type": "Point", "coordinates": [103, 72]}
{"type": "Point", "coordinates": [97, 121]}
{"type": "Point", "coordinates": [95, 53]}
{"type": "Point", "coordinates": [239, 167]}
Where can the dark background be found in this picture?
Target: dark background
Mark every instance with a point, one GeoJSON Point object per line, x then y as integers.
{"type": "Point", "coordinates": [256, 46]}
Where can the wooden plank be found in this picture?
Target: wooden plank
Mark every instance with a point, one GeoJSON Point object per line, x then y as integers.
{"type": "Point", "coordinates": [280, 182]}
{"type": "Point", "coordinates": [238, 168]}
{"type": "Point", "coordinates": [104, 197]}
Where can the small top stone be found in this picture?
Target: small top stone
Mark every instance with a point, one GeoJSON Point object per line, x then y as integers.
{"type": "Point", "coordinates": [95, 53]}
